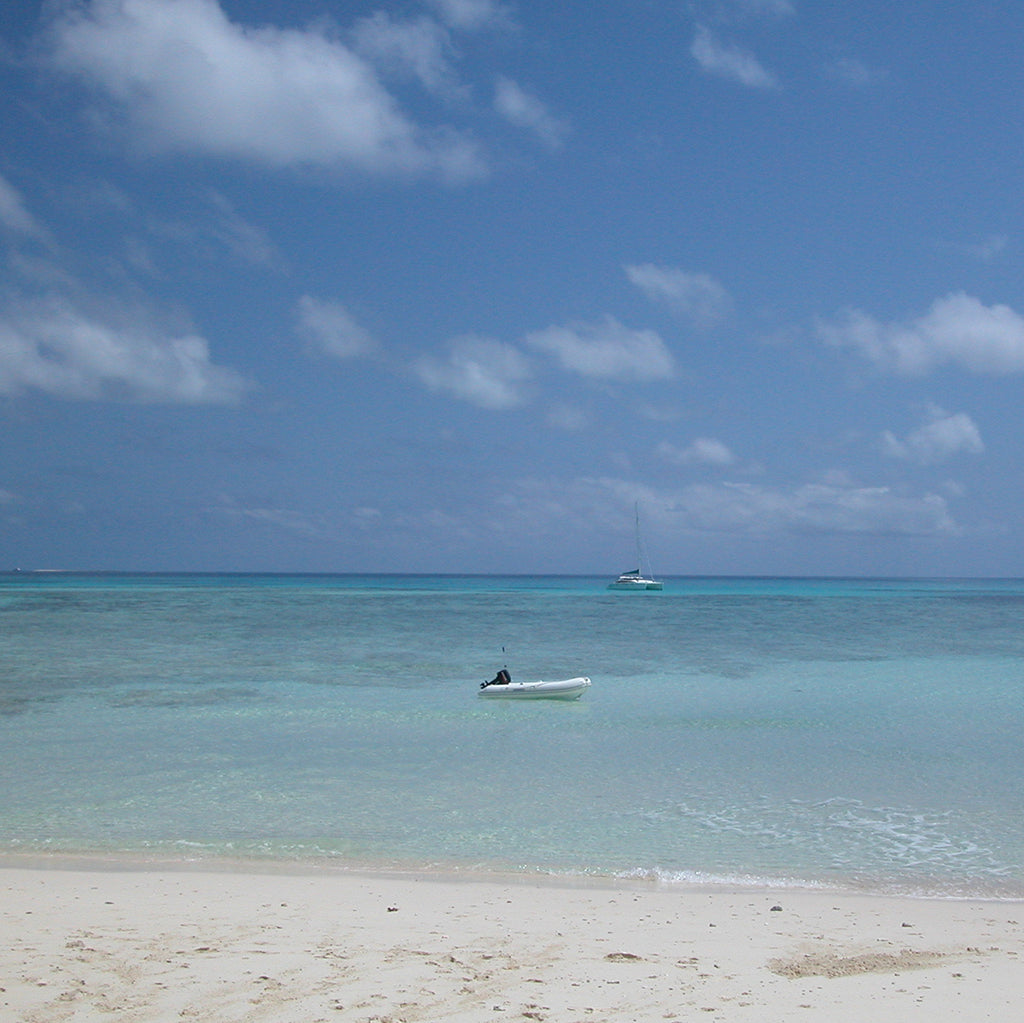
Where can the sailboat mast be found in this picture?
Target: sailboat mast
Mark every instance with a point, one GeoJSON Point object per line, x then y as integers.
{"type": "Point", "coordinates": [636, 520]}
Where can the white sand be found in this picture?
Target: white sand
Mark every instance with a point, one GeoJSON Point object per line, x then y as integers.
{"type": "Point", "coordinates": [164, 944]}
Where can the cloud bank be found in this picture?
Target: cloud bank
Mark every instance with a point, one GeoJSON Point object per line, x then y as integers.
{"type": "Point", "coordinates": [752, 511]}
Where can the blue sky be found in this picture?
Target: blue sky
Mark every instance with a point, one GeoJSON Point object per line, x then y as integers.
{"type": "Point", "coordinates": [449, 285]}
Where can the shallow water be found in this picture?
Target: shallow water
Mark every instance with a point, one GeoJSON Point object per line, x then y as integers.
{"type": "Point", "coordinates": [855, 732]}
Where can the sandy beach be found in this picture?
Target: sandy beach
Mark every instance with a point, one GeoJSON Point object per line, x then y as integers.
{"type": "Point", "coordinates": [168, 943]}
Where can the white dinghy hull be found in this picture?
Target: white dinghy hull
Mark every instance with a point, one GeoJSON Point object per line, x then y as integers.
{"type": "Point", "coordinates": [563, 689]}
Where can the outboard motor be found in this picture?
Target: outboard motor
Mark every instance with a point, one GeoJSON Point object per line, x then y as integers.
{"type": "Point", "coordinates": [501, 679]}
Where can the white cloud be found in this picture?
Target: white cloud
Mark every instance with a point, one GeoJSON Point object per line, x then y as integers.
{"type": "Point", "coordinates": [989, 247]}
{"type": "Point", "coordinates": [181, 76]}
{"type": "Point", "coordinates": [730, 62]}
{"type": "Point", "coordinates": [740, 11]}
{"type": "Point", "coordinates": [417, 47]}
{"type": "Point", "coordinates": [243, 240]}
{"type": "Point", "coordinates": [958, 330]}
{"type": "Point", "coordinates": [697, 296]}
{"type": "Point", "coordinates": [607, 350]}
{"type": "Point", "coordinates": [526, 111]}
{"type": "Point", "coordinates": [470, 15]}
{"type": "Point", "coordinates": [568, 417]}
{"type": "Point", "coordinates": [942, 437]}
{"type": "Point", "coordinates": [278, 520]}
{"type": "Point", "coordinates": [820, 508]}
{"type": "Point", "coordinates": [702, 451]}
{"type": "Point", "coordinates": [54, 347]}
{"type": "Point", "coordinates": [815, 508]}
{"type": "Point", "coordinates": [331, 329]}
{"type": "Point", "coordinates": [479, 370]}
{"type": "Point", "coordinates": [752, 511]}
{"type": "Point", "coordinates": [14, 215]}
{"type": "Point", "coordinates": [776, 8]}
{"type": "Point", "coordinates": [854, 73]}
{"type": "Point", "coordinates": [212, 219]}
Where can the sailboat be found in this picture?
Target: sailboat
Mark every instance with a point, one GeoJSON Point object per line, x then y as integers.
{"type": "Point", "coordinates": [636, 579]}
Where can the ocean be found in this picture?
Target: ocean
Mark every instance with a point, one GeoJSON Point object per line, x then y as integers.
{"type": "Point", "coordinates": [859, 733]}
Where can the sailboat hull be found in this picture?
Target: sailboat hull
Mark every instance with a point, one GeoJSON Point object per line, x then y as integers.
{"type": "Point", "coordinates": [635, 583]}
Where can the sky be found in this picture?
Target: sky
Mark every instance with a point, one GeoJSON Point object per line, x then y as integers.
{"type": "Point", "coordinates": [456, 285]}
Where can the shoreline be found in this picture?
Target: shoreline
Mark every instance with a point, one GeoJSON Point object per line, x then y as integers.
{"type": "Point", "coordinates": [133, 861]}
{"type": "Point", "coordinates": [168, 940]}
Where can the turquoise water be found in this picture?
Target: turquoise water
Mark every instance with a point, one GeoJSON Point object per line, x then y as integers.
{"type": "Point", "coordinates": [852, 732]}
